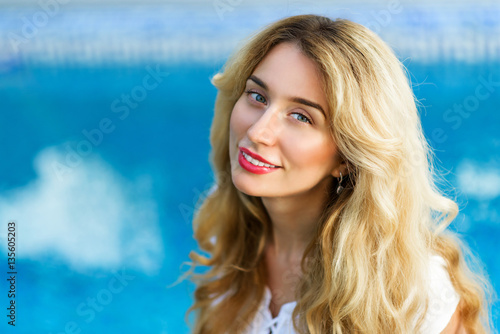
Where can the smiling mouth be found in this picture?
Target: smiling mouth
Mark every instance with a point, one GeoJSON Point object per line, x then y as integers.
{"type": "Point", "coordinates": [256, 162]}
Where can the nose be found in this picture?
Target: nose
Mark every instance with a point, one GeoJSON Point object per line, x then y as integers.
{"type": "Point", "coordinates": [265, 128]}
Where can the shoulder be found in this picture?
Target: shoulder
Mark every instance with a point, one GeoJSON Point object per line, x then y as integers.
{"type": "Point", "coordinates": [443, 299]}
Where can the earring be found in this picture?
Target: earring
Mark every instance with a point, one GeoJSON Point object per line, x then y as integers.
{"type": "Point", "coordinates": [340, 188]}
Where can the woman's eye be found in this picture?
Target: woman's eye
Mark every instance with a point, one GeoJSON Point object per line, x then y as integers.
{"type": "Point", "coordinates": [256, 96]}
{"type": "Point", "coordinates": [302, 118]}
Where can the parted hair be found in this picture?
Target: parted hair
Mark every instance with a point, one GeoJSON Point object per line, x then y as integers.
{"type": "Point", "coordinates": [367, 266]}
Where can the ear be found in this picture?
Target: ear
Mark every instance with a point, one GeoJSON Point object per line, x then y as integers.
{"type": "Point", "coordinates": [340, 168]}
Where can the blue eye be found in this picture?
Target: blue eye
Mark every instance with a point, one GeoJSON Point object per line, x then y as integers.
{"type": "Point", "coordinates": [259, 97]}
{"type": "Point", "coordinates": [307, 120]}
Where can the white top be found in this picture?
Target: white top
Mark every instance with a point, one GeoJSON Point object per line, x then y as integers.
{"type": "Point", "coordinates": [442, 305]}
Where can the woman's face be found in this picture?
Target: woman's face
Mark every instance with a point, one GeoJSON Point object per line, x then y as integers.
{"type": "Point", "coordinates": [280, 118]}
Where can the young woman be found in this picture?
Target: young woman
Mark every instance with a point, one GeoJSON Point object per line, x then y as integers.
{"type": "Point", "coordinates": [325, 217]}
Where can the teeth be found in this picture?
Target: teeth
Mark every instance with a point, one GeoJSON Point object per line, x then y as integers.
{"type": "Point", "coordinates": [256, 162]}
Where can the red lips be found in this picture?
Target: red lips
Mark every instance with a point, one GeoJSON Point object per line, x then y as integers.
{"type": "Point", "coordinates": [256, 156]}
{"type": "Point", "coordinates": [248, 166]}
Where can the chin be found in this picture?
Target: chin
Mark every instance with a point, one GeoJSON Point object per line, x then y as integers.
{"type": "Point", "coordinates": [244, 187]}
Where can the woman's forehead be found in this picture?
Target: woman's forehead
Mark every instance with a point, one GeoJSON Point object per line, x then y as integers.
{"type": "Point", "coordinates": [286, 70]}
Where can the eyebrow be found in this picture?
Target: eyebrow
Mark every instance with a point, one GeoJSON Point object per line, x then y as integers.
{"type": "Point", "coordinates": [293, 98]}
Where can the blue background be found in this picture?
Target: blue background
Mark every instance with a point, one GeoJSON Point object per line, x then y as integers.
{"type": "Point", "coordinates": [103, 228]}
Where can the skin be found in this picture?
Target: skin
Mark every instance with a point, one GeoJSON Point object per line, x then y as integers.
{"type": "Point", "coordinates": [269, 123]}
{"type": "Point", "coordinates": [455, 326]}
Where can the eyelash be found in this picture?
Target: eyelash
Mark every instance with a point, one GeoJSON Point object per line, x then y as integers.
{"type": "Point", "coordinates": [253, 92]}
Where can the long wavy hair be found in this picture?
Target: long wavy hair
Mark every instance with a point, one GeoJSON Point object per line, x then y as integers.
{"type": "Point", "coordinates": [366, 268]}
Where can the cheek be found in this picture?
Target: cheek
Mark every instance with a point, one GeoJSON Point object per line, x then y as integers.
{"type": "Point", "coordinates": [238, 123]}
{"type": "Point", "coordinates": [313, 150]}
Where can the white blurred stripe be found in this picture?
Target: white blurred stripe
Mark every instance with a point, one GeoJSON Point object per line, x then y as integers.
{"type": "Point", "coordinates": [195, 32]}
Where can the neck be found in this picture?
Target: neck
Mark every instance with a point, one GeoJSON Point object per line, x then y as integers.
{"type": "Point", "coordinates": [294, 221]}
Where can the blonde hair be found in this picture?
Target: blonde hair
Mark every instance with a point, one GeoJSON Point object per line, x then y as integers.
{"type": "Point", "coordinates": [367, 265]}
